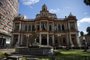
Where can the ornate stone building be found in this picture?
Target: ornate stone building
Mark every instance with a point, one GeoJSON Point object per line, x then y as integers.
{"type": "Point", "coordinates": [8, 10]}
{"type": "Point", "coordinates": [46, 29]}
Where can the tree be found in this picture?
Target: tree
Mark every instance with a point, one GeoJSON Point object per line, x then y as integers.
{"type": "Point", "coordinates": [81, 33]}
{"type": "Point", "coordinates": [87, 2]}
{"type": "Point", "coordinates": [88, 30]}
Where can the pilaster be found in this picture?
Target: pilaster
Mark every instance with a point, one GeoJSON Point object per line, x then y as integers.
{"type": "Point", "coordinates": [47, 39]}
{"type": "Point", "coordinates": [40, 39]}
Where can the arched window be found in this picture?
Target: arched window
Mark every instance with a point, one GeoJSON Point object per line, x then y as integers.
{"type": "Point", "coordinates": [38, 28]}
{"type": "Point", "coordinates": [25, 27]}
{"type": "Point", "coordinates": [16, 26]}
{"type": "Point", "coordinates": [43, 26]}
{"type": "Point", "coordinates": [72, 25]}
{"type": "Point", "coordinates": [55, 27]}
{"type": "Point", "coordinates": [29, 28]}
{"type": "Point", "coordinates": [63, 27]}
{"type": "Point", "coordinates": [50, 40]}
{"type": "Point", "coordinates": [59, 27]}
{"type": "Point", "coordinates": [50, 27]}
{"type": "Point", "coordinates": [33, 28]}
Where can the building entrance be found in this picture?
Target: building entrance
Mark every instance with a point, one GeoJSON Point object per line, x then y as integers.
{"type": "Point", "coordinates": [44, 40]}
{"type": "Point", "coordinates": [2, 42]}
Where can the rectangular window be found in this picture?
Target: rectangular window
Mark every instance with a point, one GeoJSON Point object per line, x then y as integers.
{"type": "Point", "coordinates": [38, 28]}
{"type": "Point", "coordinates": [16, 26]}
{"type": "Point", "coordinates": [59, 27]}
{"type": "Point", "coordinates": [55, 27]}
{"type": "Point", "coordinates": [72, 25]}
{"type": "Point", "coordinates": [15, 40]}
{"type": "Point", "coordinates": [25, 27]}
{"type": "Point", "coordinates": [44, 25]}
{"type": "Point", "coordinates": [33, 28]}
{"type": "Point", "coordinates": [63, 28]}
{"type": "Point", "coordinates": [50, 27]}
{"type": "Point", "coordinates": [29, 28]}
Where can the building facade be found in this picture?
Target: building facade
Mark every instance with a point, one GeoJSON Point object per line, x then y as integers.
{"type": "Point", "coordinates": [8, 10]}
{"type": "Point", "coordinates": [46, 29]}
{"type": "Point", "coordinates": [85, 39]}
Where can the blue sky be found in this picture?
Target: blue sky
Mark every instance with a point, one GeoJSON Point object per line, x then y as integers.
{"type": "Point", "coordinates": [62, 8]}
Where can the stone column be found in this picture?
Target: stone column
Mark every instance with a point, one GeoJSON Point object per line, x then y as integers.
{"type": "Point", "coordinates": [21, 40]}
{"type": "Point", "coordinates": [20, 26]}
{"type": "Point", "coordinates": [76, 26]}
{"type": "Point", "coordinates": [57, 27]}
{"type": "Point", "coordinates": [53, 42]}
{"type": "Point", "coordinates": [53, 27]}
{"type": "Point", "coordinates": [27, 27]}
{"type": "Point", "coordinates": [78, 40]}
{"type": "Point", "coordinates": [47, 26]}
{"type": "Point", "coordinates": [61, 27]}
{"type": "Point", "coordinates": [59, 41]}
{"type": "Point", "coordinates": [31, 27]}
{"type": "Point", "coordinates": [40, 39]}
{"type": "Point", "coordinates": [48, 39]}
{"type": "Point", "coordinates": [40, 26]}
{"type": "Point", "coordinates": [68, 42]}
{"type": "Point", "coordinates": [11, 42]}
{"type": "Point", "coordinates": [72, 45]}
{"type": "Point", "coordinates": [18, 42]}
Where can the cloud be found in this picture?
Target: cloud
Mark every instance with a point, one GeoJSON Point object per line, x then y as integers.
{"type": "Point", "coordinates": [78, 23]}
{"type": "Point", "coordinates": [83, 24]}
{"type": "Point", "coordinates": [85, 20]}
{"type": "Point", "coordinates": [55, 10]}
{"type": "Point", "coordinates": [30, 2]}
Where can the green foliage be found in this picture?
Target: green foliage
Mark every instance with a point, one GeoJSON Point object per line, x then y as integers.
{"type": "Point", "coordinates": [23, 58]}
{"type": "Point", "coordinates": [81, 33]}
{"type": "Point", "coordinates": [73, 55]}
{"type": "Point", "coordinates": [87, 2]}
{"type": "Point", "coordinates": [6, 55]}
{"type": "Point", "coordinates": [88, 30]}
{"type": "Point", "coordinates": [2, 55]}
{"type": "Point", "coordinates": [69, 55]}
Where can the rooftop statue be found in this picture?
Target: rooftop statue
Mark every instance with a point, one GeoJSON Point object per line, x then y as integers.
{"type": "Point", "coordinates": [44, 8]}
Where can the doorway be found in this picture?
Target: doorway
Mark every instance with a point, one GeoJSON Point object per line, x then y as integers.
{"type": "Point", "coordinates": [44, 40]}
